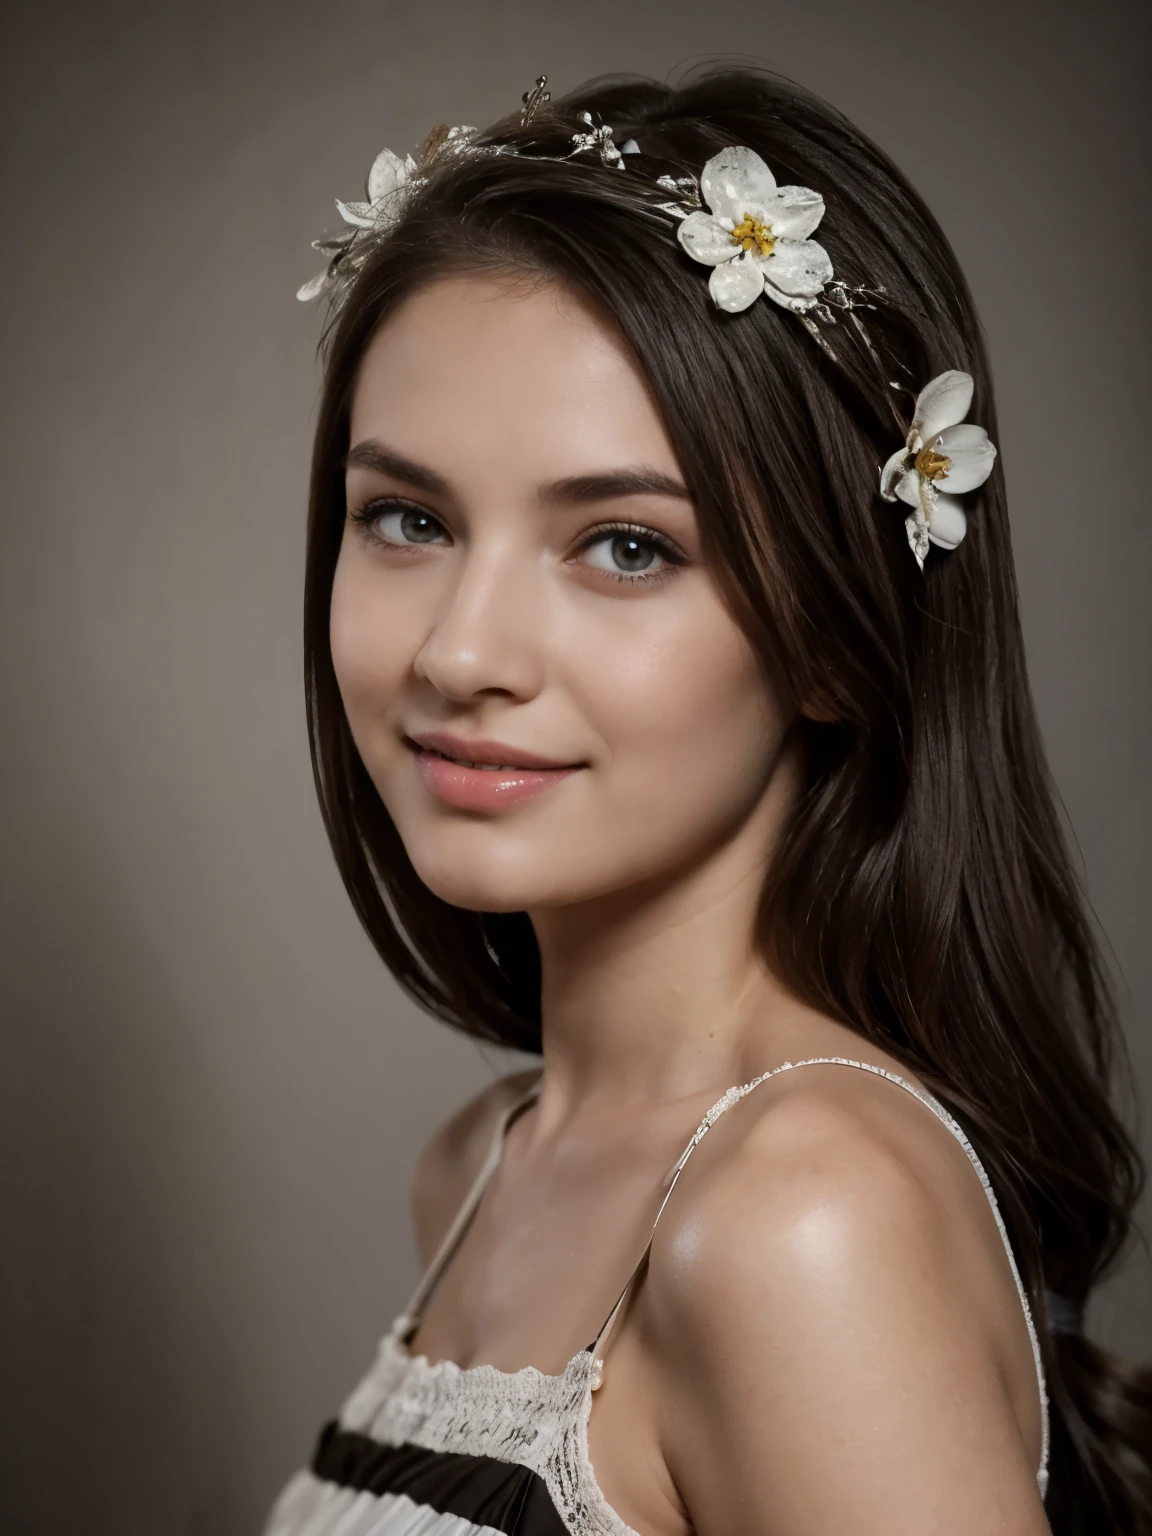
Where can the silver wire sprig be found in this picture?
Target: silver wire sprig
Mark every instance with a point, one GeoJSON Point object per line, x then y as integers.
{"type": "Point", "coordinates": [685, 192]}
{"type": "Point", "coordinates": [597, 139]}
{"type": "Point", "coordinates": [534, 99]}
{"type": "Point", "coordinates": [848, 296]}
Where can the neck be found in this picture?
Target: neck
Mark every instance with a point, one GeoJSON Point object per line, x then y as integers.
{"type": "Point", "coordinates": [658, 991]}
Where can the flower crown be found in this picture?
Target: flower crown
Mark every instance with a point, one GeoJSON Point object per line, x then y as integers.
{"type": "Point", "coordinates": [755, 236]}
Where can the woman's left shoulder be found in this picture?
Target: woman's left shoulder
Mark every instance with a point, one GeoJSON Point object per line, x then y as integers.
{"type": "Point", "coordinates": [830, 1182]}
{"type": "Point", "coordinates": [820, 1179]}
{"type": "Point", "coordinates": [834, 1324]}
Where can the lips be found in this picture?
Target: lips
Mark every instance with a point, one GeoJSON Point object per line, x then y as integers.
{"type": "Point", "coordinates": [483, 775]}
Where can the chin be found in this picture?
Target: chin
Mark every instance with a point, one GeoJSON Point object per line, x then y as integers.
{"type": "Point", "coordinates": [470, 868]}
{"type": "Point", "coordinates": [477, 891]}
{"type": "Point", "coordinates": [489, 868]}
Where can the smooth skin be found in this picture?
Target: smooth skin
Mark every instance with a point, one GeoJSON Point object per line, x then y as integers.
{"type": "Point", "coordinates": [828, 1337]}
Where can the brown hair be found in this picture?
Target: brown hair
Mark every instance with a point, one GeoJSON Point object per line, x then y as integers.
{"type": "Point", "coordinates": [922, 894]}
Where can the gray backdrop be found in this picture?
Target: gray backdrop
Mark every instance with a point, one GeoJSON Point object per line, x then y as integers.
{"type": "Point", "coordinates": [213, 1092]}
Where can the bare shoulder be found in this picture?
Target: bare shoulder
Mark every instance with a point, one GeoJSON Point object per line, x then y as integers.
{"type": "Point", "coordinates": [836, 1175]}
{"type": "Point", "coordinates": [450, 1160]}
{"type": "Point", "coordinates": [829, 1306]}
{"type": "Point", "coordinates": [837, 1216]}
{"type": "Point", "coordinates": [797, 1178]}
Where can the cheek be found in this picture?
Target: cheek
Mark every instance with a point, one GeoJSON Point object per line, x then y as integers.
{"type": "Point", "coordinates": [692, 726]}
{"type": "Point", "coordinates": [370, 654]}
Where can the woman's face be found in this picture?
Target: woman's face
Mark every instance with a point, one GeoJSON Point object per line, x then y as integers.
{"type": "Point", "coordinates": [538, 669]}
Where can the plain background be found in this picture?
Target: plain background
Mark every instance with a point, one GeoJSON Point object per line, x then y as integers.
{"type": "Point", "coordinates": [212, 1092]}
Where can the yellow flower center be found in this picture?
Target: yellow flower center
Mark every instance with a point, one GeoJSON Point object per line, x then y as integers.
{"type": "Point", "coordinates": [751, 234]}
{"type": "Point", "coordinates": [931, 465]}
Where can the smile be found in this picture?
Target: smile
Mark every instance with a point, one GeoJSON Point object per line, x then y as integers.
{"type": "Point", "coordinates": [483, 776]}
{"type": "Point", "coordinates": [487, 767]}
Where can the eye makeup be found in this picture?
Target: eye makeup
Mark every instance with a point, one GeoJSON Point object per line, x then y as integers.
{"type": "Point", "coordinates": [631, 547]}
{"type": "Point", "coordinates": [632, 552]}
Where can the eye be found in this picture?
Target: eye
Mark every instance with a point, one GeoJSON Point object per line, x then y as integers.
{"type": "Point", "coordinates": [629, 553]}
{"type": "Point", "coordinates": [401, 524]}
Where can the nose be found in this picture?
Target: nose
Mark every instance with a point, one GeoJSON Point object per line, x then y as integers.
{"type": "Point", "coordinates": [486, 638]}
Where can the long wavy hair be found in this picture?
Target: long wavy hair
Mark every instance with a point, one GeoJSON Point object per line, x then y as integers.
{"type": "Point", "coordinates": [922, 893]}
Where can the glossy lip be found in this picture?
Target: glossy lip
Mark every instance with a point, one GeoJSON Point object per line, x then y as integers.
{"type": "Point", "coordinates": [484, 750]}
{"type": "Point", "coordinates": [520, 775]}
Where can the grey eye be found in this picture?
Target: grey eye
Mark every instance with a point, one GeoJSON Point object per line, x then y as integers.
{"type": "Point", "coordinates": [409, 525]}
{"type": "Point", "coordinates": [625, 554]}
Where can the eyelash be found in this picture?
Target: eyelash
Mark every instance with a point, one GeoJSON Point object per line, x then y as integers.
{"type": "Point", "coordinates": [365, 516]}
{"type": "Point", "coordinates": [673, 557]}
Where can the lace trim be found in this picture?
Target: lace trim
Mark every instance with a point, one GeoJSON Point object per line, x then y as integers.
{"type": "Point", "coordinates": [525, 1416]}
{"type": "Point", "coordinates": [541, 1421]}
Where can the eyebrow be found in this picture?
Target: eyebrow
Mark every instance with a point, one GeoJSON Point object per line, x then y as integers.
{"type": "Point", "coordinates": [386, 461]}
{"type": "Point", "coordinates": [610, 485]}
{"type": "Point", "coordinates": [573, 490]}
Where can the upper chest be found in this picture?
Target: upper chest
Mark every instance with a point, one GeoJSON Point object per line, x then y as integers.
{"type": "Point", "coordinates": [551, 1245]}
{"type": "Point", "coordinates": [544, 1260]}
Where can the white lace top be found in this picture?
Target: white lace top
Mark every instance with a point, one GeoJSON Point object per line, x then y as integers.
{"type": "Point", "coordinates": [422, 1449]}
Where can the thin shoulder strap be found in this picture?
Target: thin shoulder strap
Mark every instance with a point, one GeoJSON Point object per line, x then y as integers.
{"type": "Point", "coordinates": [452, 1239]}
{"type": "Point", "coordinates": [733, 1096]}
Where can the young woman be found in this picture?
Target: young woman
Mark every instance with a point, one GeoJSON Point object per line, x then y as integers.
{"type": "Point", "coordinates": [670, 719]}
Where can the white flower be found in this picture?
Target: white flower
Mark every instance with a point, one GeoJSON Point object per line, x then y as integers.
{"type": "Point", "coordinates": [335, 249]}
{"type": "Point", "coordinates": [943, 457]}
{"type": "Point", "coordinates": [389, 182]}
{"type": "Point", "coordinates": [598, 140]}
{"type": "Point", "coordinates": [755, 238]}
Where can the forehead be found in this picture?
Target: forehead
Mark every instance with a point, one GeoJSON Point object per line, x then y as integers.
{"type": "Point", "coordinates": [502, 374]}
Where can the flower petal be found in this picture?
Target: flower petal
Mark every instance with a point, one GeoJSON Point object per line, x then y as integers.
{"type": "Point", "coordinates": [389, 210]}
{"type": "Point", "coordinates": [948, 524]}
{"type": "Point", "coordinates": [333, 243]}
{"type": "Point", "coordinates": [705, 240]}
{"type": "Point", "coordinates": [794, 212]}
{"type": "Point", "coordinates": [359, 214]}
{"type": "Point", "coordinates": [799, 268]}
{"type": "Point", "coordinates": [908, 488]}
{"type": "Point", "coordinates": [893, 470]}
{"type": "Point", "coordinates": [942, 403]}
{"type": "Point", "coordinates": [736, 181]}
{"type": "Point", "coordinates": [972, 457]}
{"type": "Point", "coordinates": [388, 172]}
{"type": "Point", "coordinates": [736, 284]}
{"type": "Point", "coordinates": [793, 306]}
{"type": "Point", "coordinates": [314, 287]}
